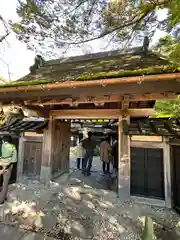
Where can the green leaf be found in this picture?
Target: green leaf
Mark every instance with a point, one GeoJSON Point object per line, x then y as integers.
{"type": "Point", "coordinates": [17, 27]}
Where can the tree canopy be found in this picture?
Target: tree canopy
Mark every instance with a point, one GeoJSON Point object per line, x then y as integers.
{"type": "Point", "coordinates": [50, 24]}
{"type": "Point", "coordinates": [170, 48]}
{"type": "Point", "coordinates": [168, 108]}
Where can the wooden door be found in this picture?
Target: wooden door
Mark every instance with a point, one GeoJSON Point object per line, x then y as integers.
{"type": "Point", "coordinates": [137, 171]}
{"type": "Point", "coordinates": [176, 176]}
{"type": "Point", "coordinates": [32, 159]}
{"type": "Point", "coordinates": [147, 172]}
{"type": "Point", "coordinates": [155, 173]}
{"type": "Point", "coordinates": [61, 148]}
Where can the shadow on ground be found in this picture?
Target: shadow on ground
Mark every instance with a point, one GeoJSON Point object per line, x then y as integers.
{"type": "Point", "coordinates": [78, 207]}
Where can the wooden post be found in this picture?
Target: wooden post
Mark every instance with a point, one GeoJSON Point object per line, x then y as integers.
{"type": "Point", "coordinates": [123, 163]}
{"type": "Point", "coordinates": [20, 158]}
{"type": "Point", "coordinates": [47, 151]}
{"type": "Point", "coordinates": [167, 174]}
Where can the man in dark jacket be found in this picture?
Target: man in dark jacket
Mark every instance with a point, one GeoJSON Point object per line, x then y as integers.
{"type": "Point", "coordinates": [89, 145]}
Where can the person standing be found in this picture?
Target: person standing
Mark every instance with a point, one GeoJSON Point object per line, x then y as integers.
{"type": "Point", "coordinates": [8, 158]}
{"type": "Point", "coordinates": [105, 154]}
{"type": "Point", "coordinates": [89, 146]}
{"type": "Point", "coordinates": [80, 152]}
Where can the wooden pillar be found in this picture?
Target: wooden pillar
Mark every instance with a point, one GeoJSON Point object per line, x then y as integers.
{"type": "Point", "coordinates": [47, 151]}
{"type": "Point", "coordinates": [167, 174]}
{"type": "Point", "coordinates": [123, 163]}
{"type": "Point", "coordinates": [20, 162]}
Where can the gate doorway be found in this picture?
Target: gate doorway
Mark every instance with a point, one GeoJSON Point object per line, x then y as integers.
{"type": "Point", "coordinates": [147, 172]}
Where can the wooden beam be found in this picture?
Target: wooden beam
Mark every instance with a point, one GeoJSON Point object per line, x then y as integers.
{"type": "Point", "coordinates": [125, 105]}
{"type": "Point", "coordinates": [92, 83]}
{"type": "Point", "coordinates": [145, 144]}
{"type": "Point", "coordinates": [140, 112]}
{"type": "Point", "coordinates": [153, 96]}
{"type": "Point", "coordinates": [98, 113]}
{"type": "Point", "coordinates": [100, 100]}
{"type": "Point", "coordinates": [86, 99]}
{"type": "Point", "coordinates": [125, 102]}
{"type": "Point", "coordinates": [85, 113]}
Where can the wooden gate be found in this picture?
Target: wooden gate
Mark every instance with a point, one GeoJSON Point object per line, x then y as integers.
{"type": "Point", "coordinates": [32, 157]}
{"type": "Point", "coordinates": [147, 174]}
{"type": "Point", "coordinates": [176, 177]}
{"type": "Point", "coordinates": [61, 147]}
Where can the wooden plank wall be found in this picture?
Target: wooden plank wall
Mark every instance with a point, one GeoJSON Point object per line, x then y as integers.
{"type": "Point", "coordinates": [32, 157]}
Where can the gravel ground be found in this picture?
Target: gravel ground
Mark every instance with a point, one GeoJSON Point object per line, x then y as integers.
{"type": "Point", "coordinates": [79, 207]}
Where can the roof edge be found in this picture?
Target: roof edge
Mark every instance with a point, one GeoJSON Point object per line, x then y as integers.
{"type": "Point", "coordinates": [101, 82]}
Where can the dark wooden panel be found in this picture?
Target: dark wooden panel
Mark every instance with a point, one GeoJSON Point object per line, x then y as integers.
{"type": "Point", "coordinates": [176, 176]}
{"type": "Point", "coordinates": [155, 173]}
{"type": "Point", "coordinates": [147, 175]}
{"type": "Point", "coordinates": [137, 171]}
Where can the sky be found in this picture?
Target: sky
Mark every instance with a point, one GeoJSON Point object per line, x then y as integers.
{"type": "Point", "coordinates": [15, 58]}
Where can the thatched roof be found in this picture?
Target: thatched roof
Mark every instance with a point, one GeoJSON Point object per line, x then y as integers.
{"type": "Point", "coordinates": [112, 64]}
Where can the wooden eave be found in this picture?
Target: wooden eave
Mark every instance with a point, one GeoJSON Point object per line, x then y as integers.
{"type": "Point", "coordinates": [151, 127]}
{"type": "Point", "coordinates": [147, 88]}
{"type": "Point", "coordinates": [91, 83]}
{"type": "Point", "coordinates": [19, 125]}
{"type": "Point", "coordinates": [137, 126]}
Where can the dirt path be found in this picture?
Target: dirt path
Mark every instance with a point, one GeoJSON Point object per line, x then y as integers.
{"type": "Point", "coordinates": [78, 207]}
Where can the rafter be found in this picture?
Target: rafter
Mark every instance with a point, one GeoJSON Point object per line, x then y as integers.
{"type": "Point", "coordinates": [100, 100]}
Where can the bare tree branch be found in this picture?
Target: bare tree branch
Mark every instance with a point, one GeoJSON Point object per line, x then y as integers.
{"type": "Point", "coordinates": [6, 29]}
{"type": "Point", "coordinates": [131, 23]}
{"type": "Point", "coordinates": [4, 37]}
{"type": "Point", "coordinates": [53, 25]}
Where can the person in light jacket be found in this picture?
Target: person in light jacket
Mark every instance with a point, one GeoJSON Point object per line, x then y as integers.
{"type": "Point", "coordinates": [8, 158]}
{"type": "Point", "coordinates": [80, 152]}
{"type": "Point", "coordinates": [105, 154]}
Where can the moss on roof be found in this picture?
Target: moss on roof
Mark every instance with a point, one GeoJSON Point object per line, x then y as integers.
{"type": "Point", "coordinates": [127, 73]}
{"type": "Point", "coordinates": [97, 66]}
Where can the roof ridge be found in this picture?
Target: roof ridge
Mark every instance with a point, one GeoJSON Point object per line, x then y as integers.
{"type": "Point", "coordinates": [94, 56]}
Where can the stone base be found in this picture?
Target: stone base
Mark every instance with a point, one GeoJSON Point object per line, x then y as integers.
{"type": "Point", "coordinates": [46, 174]}
{"type": "Point", "coordinates": [124, 189]}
